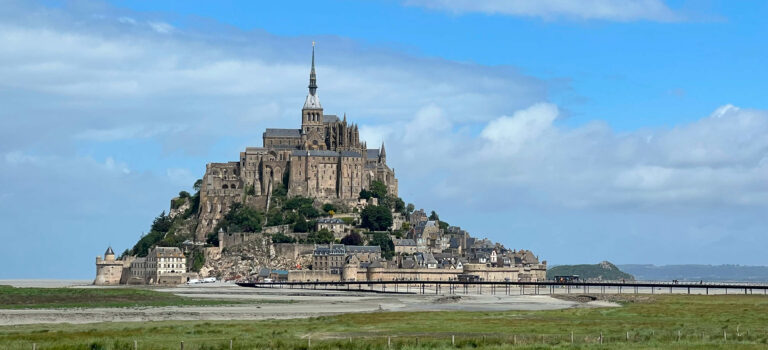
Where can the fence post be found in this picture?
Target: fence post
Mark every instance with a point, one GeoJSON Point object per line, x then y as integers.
{"type": "Point", "coordinates": [230, 344]}
{"type": "Point", "coordinates": [601, 338]}
{"type": "Point", "coordinates": [627, 335]}
{"type": "Point", "coordinates": [34, 346]}
{"type": "Point", "coordinates": [514, 339]}
{"type": "Point", "coordinates": [389, 342]}
{"type": "Point", "coordinates": [135, 345]}
{"type": "Point", "coordinates": [571, 337]}
{"type": "Point", "coordinates": [678, 335]}
{"type": "Point", "coordinates": [182, 345]}
{"type": "Point", "coordinates": [453, 340]}
{"type": "Point", "coordinates": [725, 336]}
{"type": "Point", "coordinates": [309, 342]}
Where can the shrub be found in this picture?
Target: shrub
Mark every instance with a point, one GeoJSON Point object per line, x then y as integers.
{"type": "Point", "coordinates": [376, 218]}
{"type": "Point", "coordinates": [353, 238]}
{"type": "Point", "coordinates": [282, 238]}
{"type": "Point", "coordinates": [382, 240]}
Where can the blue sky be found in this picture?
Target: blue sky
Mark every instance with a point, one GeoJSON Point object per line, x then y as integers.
{"type": "Point", "coordinates": [627, 130]}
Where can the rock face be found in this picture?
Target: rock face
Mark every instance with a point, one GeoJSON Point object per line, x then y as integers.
{"type": "Point", "coordinates": [245, 260]}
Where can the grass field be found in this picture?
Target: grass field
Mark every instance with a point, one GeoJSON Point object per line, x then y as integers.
{"type": "Point", "coordinates": [25, 298]}
{"type": "Point", "coordinates": [651, 323]}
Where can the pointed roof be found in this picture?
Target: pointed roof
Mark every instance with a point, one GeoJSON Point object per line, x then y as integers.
{"type": "Point", "coordinates": [383, 151]}
{"type": "Point", "coordinates": [109, 252]}
{"type": "Point", "coordinates": [312, 101]}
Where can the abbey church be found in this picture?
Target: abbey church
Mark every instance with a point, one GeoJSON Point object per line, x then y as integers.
{"type": "Point", "coordinates": [324, 159]}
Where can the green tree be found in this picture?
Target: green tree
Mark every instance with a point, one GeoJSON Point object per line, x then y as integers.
{"type": "Point", "coordinates": [328, 207]}
{"type": "Point", "coordinates": [241, 218]}
{"type": "Point", "coordinates": [183, 194]}
{"type": "Point", "coordinates": [376, 218]}
{"type": "Point", "coordinates": [353, 238]}
{"type": "Point", "coordinates": [378, 189]}
{"type": "Point", "coordinates": [399, 205]}
{"type": "Point", "coordinates": [443, 225]}
{"type": "Point", "coordinates": [162, 223]}
{"type": "Point", "coordinates": [282, 238]}
{"type": "Point", "coordinates": [433, 216]}
{"type": "Point", "coordinates": [365, 194]}
{"type": "Point", "coordinates": [198, 260]}
{"type": "Point", "coordinates": [321, 237]}
{"type": "Point", "coordinates": [301, 225]}
{"type": "Point", "coordinates": [197, 185]}
{"type": "Point", "coordinates": [410, 208]}
{"type": "Point", "coordinates": [382, 240]}
{"type": "Point", "coordinates": [309, 212]}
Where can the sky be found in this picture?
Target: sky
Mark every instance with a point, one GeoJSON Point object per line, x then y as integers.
{"type": "Point", "coordinates": [634, 131]}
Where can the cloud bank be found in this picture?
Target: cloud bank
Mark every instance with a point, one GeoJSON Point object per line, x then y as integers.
{"type": "Point", "coordinates": [611, 10]}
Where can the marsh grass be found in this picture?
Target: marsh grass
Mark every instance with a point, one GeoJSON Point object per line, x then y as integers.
{"type": "Point", "coordinates": [46, 298]}
{"type": "Point", "coordinates": [700, 321]}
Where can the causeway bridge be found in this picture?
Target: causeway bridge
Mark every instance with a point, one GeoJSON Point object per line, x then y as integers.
{"type": "Point", "coordinates": [521, 288]}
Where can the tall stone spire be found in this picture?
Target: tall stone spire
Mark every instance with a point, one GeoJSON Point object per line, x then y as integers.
{"type": "Point", "coordinates": [312, 101]}
{"type": "Point", "coordinates": [312, 76]}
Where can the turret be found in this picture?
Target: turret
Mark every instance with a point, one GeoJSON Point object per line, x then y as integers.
{"type": "Point", "coordinates": [109, 255]}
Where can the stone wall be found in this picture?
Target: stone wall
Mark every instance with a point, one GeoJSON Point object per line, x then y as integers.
{"type": "Point", "coordinates": [293, 250]}
{"type": "Point", "coordinates": [312, 275]}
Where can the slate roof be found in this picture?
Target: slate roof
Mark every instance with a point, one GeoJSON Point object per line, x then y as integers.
{"type": "Point", "coordinates": [109, 251]}
{"type": "Point", "coordinates": [330, 118]}
{"type": "Point", "coordinates": [312, 102]}
{"type": "Point", "coordinates": [330, 221]}
{"type": "Point", "coordinates": [404, 242]}
{"type": "Point", "coordinates": [282, 133]}
{"type": "Point", "coordinates": [316, 153]}
{"type": "Point", "coordinates": [363, 249]}
{"type": "Point", "coordinates": [350, 154]}
{"type": "Point", "coordinates": [373, 153]}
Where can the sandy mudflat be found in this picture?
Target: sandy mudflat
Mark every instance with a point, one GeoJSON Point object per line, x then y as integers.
{"type": "Point", "coordinates": [39, 283]}
{"type": "Point", "coordinates": [286, 303]}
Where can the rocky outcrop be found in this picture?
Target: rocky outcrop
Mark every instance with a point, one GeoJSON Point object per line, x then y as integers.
{"type": "Point", "coordinates": [245, 260]}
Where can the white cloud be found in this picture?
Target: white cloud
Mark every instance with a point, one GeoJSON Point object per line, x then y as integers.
{"type": "Point", "coordinates": [613, 10]}
{"type": "Point", "coordinates": [718, 160]}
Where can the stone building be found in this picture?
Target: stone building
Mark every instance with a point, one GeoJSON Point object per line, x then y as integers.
{"type": "Point", "coordinates": [323, 159]}
{"type": "Point", "coordinates": [162, 265]}
{"type": "Point", "coordinates": [109, 271]}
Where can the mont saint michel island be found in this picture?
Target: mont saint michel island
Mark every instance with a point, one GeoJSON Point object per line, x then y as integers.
{"type": "Point", "coordinates": [416, 174]}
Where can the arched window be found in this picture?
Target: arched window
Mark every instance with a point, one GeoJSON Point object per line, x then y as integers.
{"type": "Point", "coordinates": [224, 186]}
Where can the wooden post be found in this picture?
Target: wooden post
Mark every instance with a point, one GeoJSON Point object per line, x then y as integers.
{"type": "Point", "coordinates": [182, 345]}
{"type": "Point", "coordinates": [453, 340]}
{"type": "Point", "coordinates": [678, 335]}
{"type": "Point", "coordinates": [725, 335]}
{"type": "Point", "coordinates": [135, 345]}
{"type": "Point", "coordinates": [627, 335]}
{"type": "Point", "coordinates": [230, 344]}
{"type": "Point", "coordinates": [601, 338]}
{"type": "Point", "coordinates": [514, 339]}
{"type": "Point", "coordinates": [34, 346]}
{"type": "Point", "coordinates": [389, 342]}
{"type": "Point", "coordinates": [571, 337]}
{"type": "Point", "coordinates": [309, 342]}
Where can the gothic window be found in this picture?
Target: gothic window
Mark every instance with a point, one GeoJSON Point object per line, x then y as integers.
{"type": "Point", "coordinates": [224, 186]}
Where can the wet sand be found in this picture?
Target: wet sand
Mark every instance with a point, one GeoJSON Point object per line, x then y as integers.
{"type": "Point", "coordinates": [286, 303]}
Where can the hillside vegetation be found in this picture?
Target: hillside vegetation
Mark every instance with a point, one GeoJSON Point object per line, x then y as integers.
{"type": "Point", "coordinates": [604, 271]}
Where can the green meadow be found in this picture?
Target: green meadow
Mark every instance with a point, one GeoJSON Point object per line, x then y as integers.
{"type": "Point", "coordinates": [46, 298]}
{"type": "Point", "coordinates": [651, 322]}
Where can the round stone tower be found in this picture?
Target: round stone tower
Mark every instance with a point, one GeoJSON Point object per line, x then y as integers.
{"type": "Point", "coordinates": [108, 270]}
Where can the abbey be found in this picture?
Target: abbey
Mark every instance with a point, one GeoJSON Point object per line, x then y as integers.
{"type": "Point", "coordinates": [324, 159]}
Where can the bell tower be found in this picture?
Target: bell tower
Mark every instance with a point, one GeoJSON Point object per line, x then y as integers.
{"type": "Point", "coordinates": [312, 112]}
